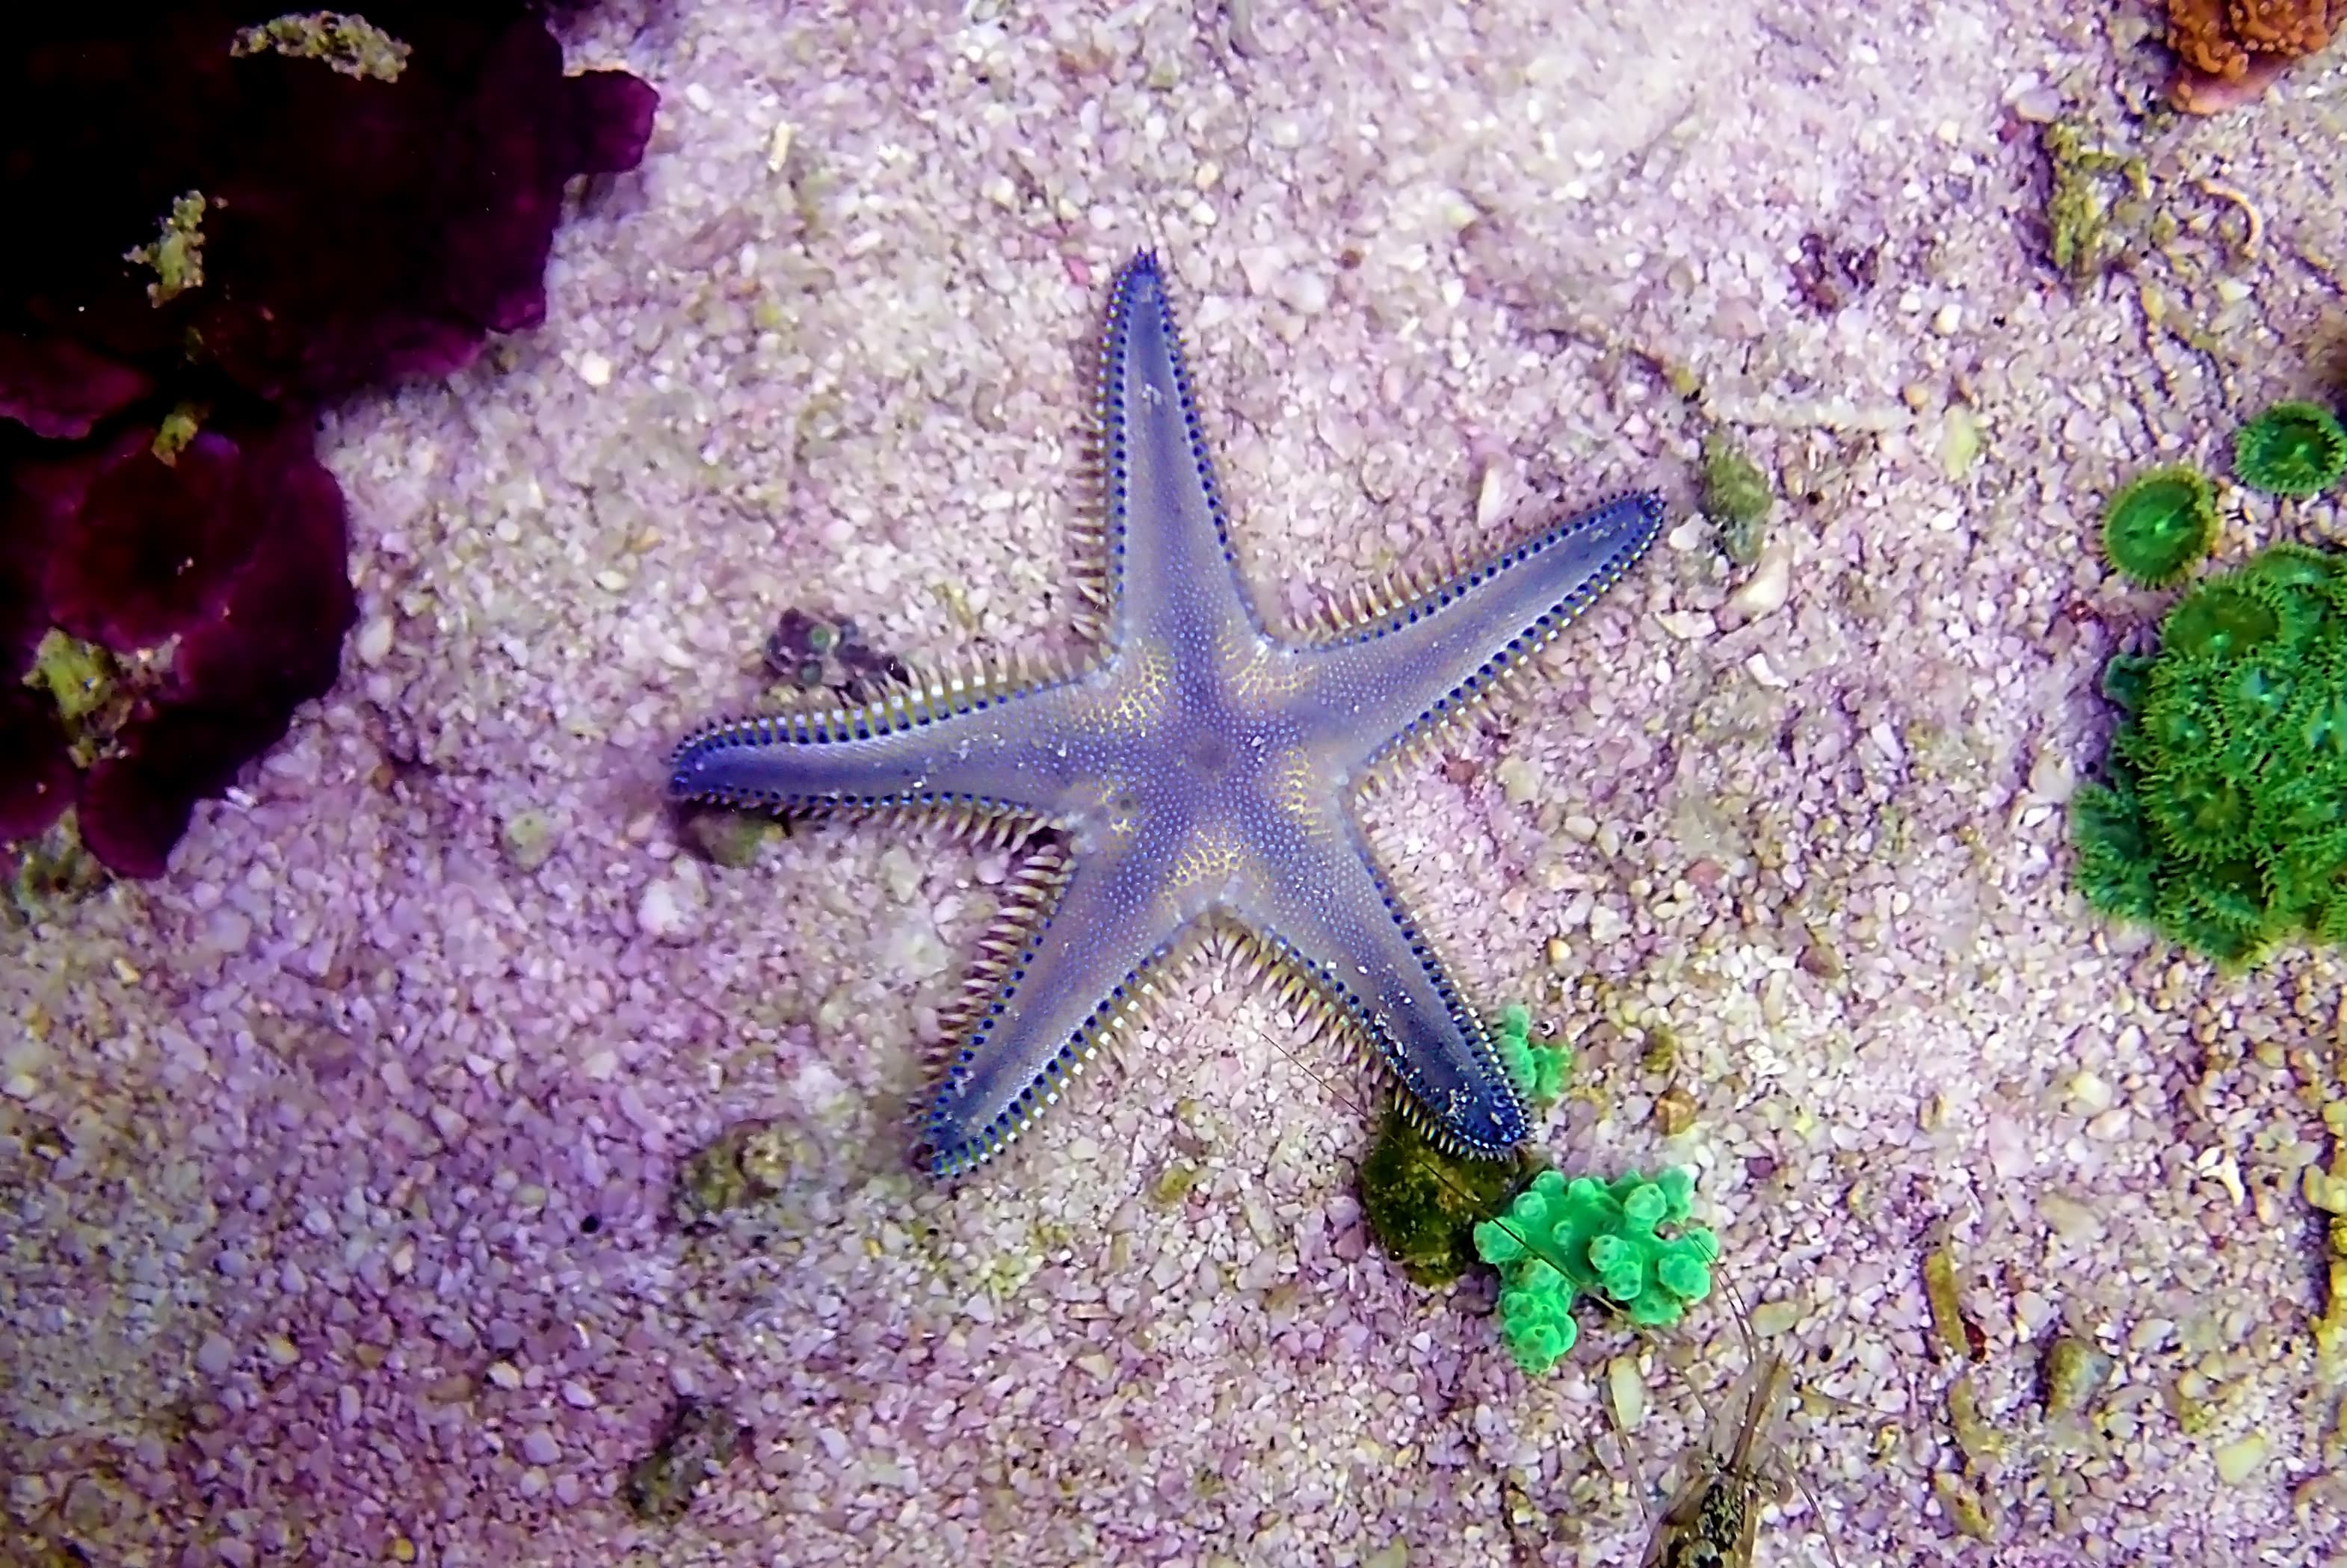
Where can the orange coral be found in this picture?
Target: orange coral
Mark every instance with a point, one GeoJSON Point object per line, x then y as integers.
{"type": "Point", "coordinates": [2216, 37]}
{"type": "Point", "coordinates": [2229, 50]}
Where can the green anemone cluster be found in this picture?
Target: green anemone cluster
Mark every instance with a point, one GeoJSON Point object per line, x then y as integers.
{"type": "Point", "coordinates": [1562, 1240]}
{"type": "Point", "coordinates": [2291, 449]}
{"type": "Point", "coordinates": [2223, 819]}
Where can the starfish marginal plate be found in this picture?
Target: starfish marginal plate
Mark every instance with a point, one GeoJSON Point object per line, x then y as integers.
{"type": "Point", "coordinates": [1196, 772]}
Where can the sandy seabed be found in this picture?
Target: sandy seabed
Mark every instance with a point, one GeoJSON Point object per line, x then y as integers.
{"type": "Point", "coordinates": [338, 1165]}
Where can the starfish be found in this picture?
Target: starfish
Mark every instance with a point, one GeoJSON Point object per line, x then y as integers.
{"type": "Point", "coordinates": [1196, 773]}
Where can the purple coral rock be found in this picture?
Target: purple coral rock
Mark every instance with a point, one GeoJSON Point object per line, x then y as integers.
{"type": "Point", "coordinates": [274, 641]}
{"type": "Point", "coordinates": [36, 775]}
{"type": "Point", "coordinates": [353, 230]}
{"type": "Point", "coordinates": [60, 390]}
{"type": "Point", "coordinates": [151, 547]}
{"type": "Point", "coordinates": [24, 530]}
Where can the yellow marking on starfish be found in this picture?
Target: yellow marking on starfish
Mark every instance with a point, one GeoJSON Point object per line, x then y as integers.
{"type": "Point", "coordinates": [1254, 671]}
{"type": "Point", "coordinates": [1136, 703]}
{"type": "Point", "coordinates": [1208, 864]}
{"type": "Point", "coordinates": [1293, 787]}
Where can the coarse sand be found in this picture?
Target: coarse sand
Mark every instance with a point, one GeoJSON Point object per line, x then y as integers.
{"type": "Point", "coordinates": [338, 1164]}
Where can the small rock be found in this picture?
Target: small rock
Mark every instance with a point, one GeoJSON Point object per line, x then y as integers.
{"type": "Point", "coordinates": [373, 640]}
{"type": "Point", "coordinates": [2037, 105]}
{"type": "Point", "coordinates": [528, 840]}
{"type": "Point", "coordinates": [1261, 1271]}
{"type": "Point", "coordinates": [2241, 1459]}
{"type": "Point", "coordinates": [2070, 1219]}
{"type": "Point", "coordinates": [2075, 1371]}
{"type": "Point", "coordinates": [1519, 781]}
{"type": "Point", "coordinates": [672, 906]}
{"type": "Point", "coordinates": [2090, 1092]}
{"type": "Point", "coordinates": [697, 1443]}
{"type": "Point", "coordinates": [1626, 1389]}
{"type": "Point", "coordinates": [1766, 590]}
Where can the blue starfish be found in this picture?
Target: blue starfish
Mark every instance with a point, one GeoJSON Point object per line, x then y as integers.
{"type": "Point", "coordinates": [1197, 771]}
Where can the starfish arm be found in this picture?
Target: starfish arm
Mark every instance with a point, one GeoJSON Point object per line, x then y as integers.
{"type": "Point", "coordinates": [1077, 976]}
{"type": "Point", "coordinates": [1378, 684]}
{"type": "Point", "coordinates": [1332, 917]}
{"type": "Point", "coordinates": [1173, 580]}
{"type": "Point", "coordinates": [966, 744]}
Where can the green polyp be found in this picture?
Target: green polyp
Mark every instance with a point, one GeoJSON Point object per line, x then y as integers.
{"type": "Point", "coordinates": [2333, 927]}
{"type": "Point", "coordinates": [2220, 621]}
{"type": "Point", "coordinates": [80, 677]}
{"type": "Point", "coordinates": [2257, 695]}
{"type": "Point", "coordinates": [2126, 681]}
{"type": "Point", "coordinates": [1736, 497]}
{"type": "Point", "coordinates": [2305, 807]}
{"type": "Point", "coordinates": [2291, 566]}
{"type": "Point", "coordinates": [1536, 1071]}
{"type": "Point", "coordinates": [2159, 525]}
{"type": "Point", "coordinates": [2204, 812]}
{"type": "Point", "coordinates": [177, 254]}
{"type": "Point", "coordinates": [2321, 728]}
{"type": "Point", "coordinates": [2291, 449]}
{"type": "Point", "coordinates": [2183, 722]}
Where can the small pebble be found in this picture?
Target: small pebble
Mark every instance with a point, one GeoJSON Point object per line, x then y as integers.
{"type": "Point", "coordinates": [669, 910]}
{"type": "Point", "coordinates": [2240, 1459]}
{"type": "Point", "coordinates": [540, 1447]}
{"type": "Point", "coordinates": [373, 642]}
{"type": "Point", "coordinates": [1767, 590]}
{"type": "Point", "coordinates": [2037, 105]}
{"type": "Point", "coordinates": [2075, 1371]}
{"type": "Point", "coordinates": [2090, 1092]}
{"type": "Point", "coordinates": [1625, 1388]}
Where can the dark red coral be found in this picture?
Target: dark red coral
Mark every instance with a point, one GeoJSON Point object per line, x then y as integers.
{"type": "Point", "coordinates": [144, 550]}
{"type": "Point", "coordinates": [353, 229]}
{"type": "Point", "coordinates": [60, 390]}
{"type": "Point", "coordinates": [350, 230]}
{"type": "Point", "coordinates": [36, 772]}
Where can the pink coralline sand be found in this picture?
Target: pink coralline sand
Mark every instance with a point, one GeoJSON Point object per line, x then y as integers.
{"type": "Point", "coordinates": [339, 1163]}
